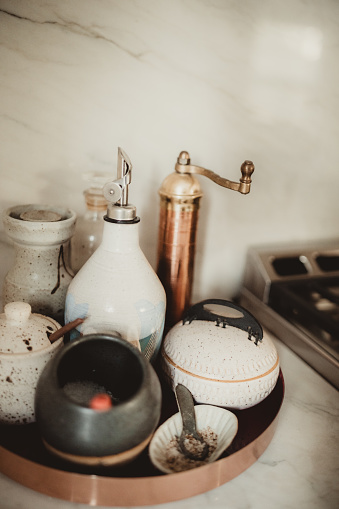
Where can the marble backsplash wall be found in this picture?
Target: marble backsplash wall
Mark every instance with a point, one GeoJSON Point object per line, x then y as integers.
{"type": "Point", "coordinates": [225, 80]}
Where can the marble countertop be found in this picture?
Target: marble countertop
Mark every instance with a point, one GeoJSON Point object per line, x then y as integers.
{"type": "Point", "coordinates": [299, 469]}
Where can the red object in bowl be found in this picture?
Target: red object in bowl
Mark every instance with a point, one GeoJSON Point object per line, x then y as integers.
{"type": "Point", "coordinates": [101, 402]}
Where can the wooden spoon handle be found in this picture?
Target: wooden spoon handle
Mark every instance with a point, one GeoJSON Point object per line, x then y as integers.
{"type": "Point", "coordinates": [65, 328]}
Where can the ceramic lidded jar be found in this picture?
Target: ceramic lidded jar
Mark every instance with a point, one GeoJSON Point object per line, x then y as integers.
{"type": "Point", "coordinates": [98, 365]}
{"type": "Point", "coordinates": [25, 349]}
{"type": "Point", "coordinates": [40, 274]}
{"type": "Point", "coordinates": [220, 354]}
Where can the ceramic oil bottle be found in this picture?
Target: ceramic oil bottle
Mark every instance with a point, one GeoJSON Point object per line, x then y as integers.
{"type": "Point", "coordinates": [117, 291]}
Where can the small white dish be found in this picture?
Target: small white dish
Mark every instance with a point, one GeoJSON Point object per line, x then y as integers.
{"type": "Point", "coordinates": [218, 427]}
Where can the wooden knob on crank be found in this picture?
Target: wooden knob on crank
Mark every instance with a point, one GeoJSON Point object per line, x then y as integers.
{"type": "Point", "coordinates": [247, 168]}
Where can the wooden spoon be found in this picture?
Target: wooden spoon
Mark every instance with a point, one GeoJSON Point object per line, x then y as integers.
{"type": "Point", "coordinates": [65, 328]}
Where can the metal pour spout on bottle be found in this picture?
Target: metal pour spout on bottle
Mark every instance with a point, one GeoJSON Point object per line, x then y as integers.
{"type": "Point", "coordinates": [116, 192]}
{"type": "Point", "coordinates": [180, 195]}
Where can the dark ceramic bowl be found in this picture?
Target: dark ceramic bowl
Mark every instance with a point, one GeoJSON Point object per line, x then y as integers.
{"type": "Point", "coordinates": [98, 363]}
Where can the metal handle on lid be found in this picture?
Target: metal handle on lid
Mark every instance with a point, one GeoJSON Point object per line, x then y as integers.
{"type": "Point", "coordinates": [246, 322]}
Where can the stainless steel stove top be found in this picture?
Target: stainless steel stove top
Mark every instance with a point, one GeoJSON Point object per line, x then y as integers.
{"type": "Point", "coordinates": [294, 292]}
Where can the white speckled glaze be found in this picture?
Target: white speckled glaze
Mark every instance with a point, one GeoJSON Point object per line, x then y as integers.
{"type": "Point", "coordinates": [24, 351]}
{"type": "Point", "coordinates": [118, 291]}
{"type": "Point", "coordinates": [41, 273]}
{"type": "Point", "coordinates": [220, 366]}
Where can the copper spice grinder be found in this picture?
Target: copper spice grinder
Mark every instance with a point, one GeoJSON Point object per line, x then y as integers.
{"type": "Point", "coordinates": [180, 195]}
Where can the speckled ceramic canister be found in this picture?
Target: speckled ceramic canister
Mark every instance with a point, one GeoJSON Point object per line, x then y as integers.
{"type": "Point", "coordinates": [40, 274]}
{"type": "Point", "coordinates": [118, 291]}
{"type": "Point", "coordinates": [25, 349]}
{"type": "Point", "coordinates": [221, 363]}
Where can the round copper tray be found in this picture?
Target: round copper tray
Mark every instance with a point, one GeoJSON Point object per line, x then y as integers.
{"type": "Point", "coordinates": [24, 459]}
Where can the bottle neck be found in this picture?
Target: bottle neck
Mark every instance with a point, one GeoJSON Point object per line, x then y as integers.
{"type": "Point", "coordinates": [120, 237]}
{"type": "Point", "coordinates": [94, 215]}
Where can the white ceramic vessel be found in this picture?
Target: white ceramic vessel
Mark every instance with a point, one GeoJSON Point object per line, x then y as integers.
{"type": "Point", "coordinates": [221, 364]}
{"type": "Point", "coordinates": [117, 290]}
{"type": "Point", "coordinates": [40, 274]}
{"type": "Point", "coordinates": [25, 349]}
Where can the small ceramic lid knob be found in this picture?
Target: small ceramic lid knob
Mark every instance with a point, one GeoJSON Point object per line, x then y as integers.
{"type": "Point", "coordinates": [17, 312]}
{"type": "Point", "coordinates": [22, 331]}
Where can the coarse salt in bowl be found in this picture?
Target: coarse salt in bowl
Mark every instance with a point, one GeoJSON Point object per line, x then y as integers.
{"type": "Point", "coordinates": [217, 426]}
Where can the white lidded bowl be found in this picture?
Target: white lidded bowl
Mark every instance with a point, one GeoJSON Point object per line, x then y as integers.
{"type": "Point", "coordinates": [214, 421]}
{"type": "Point", "coordinates": [220, 354]}
{"type": "Point", "coordinates": [25, 349]}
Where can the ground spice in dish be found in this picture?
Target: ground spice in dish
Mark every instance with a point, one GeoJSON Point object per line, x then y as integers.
{"type": "Point", "coordinates": [193, 445]}
{"type": "Point", "coordinates": [176, 461]}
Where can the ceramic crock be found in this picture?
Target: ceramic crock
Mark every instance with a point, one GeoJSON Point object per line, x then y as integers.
{"type": "Point", "coordinates": [25, 349]}
{"type": "Point", "coordinates": [220, 354]}
{"type": "Point", "coordinates": [98, 364]}
{"type": "Point", "coordinates": [40, 274]}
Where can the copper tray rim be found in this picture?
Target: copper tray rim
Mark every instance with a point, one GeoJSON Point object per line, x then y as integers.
{"type": "Point", "coordinates": [96, 490]}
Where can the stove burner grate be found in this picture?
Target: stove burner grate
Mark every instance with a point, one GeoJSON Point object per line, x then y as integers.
{"type": "Point", "coordinates": [313, 303]}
